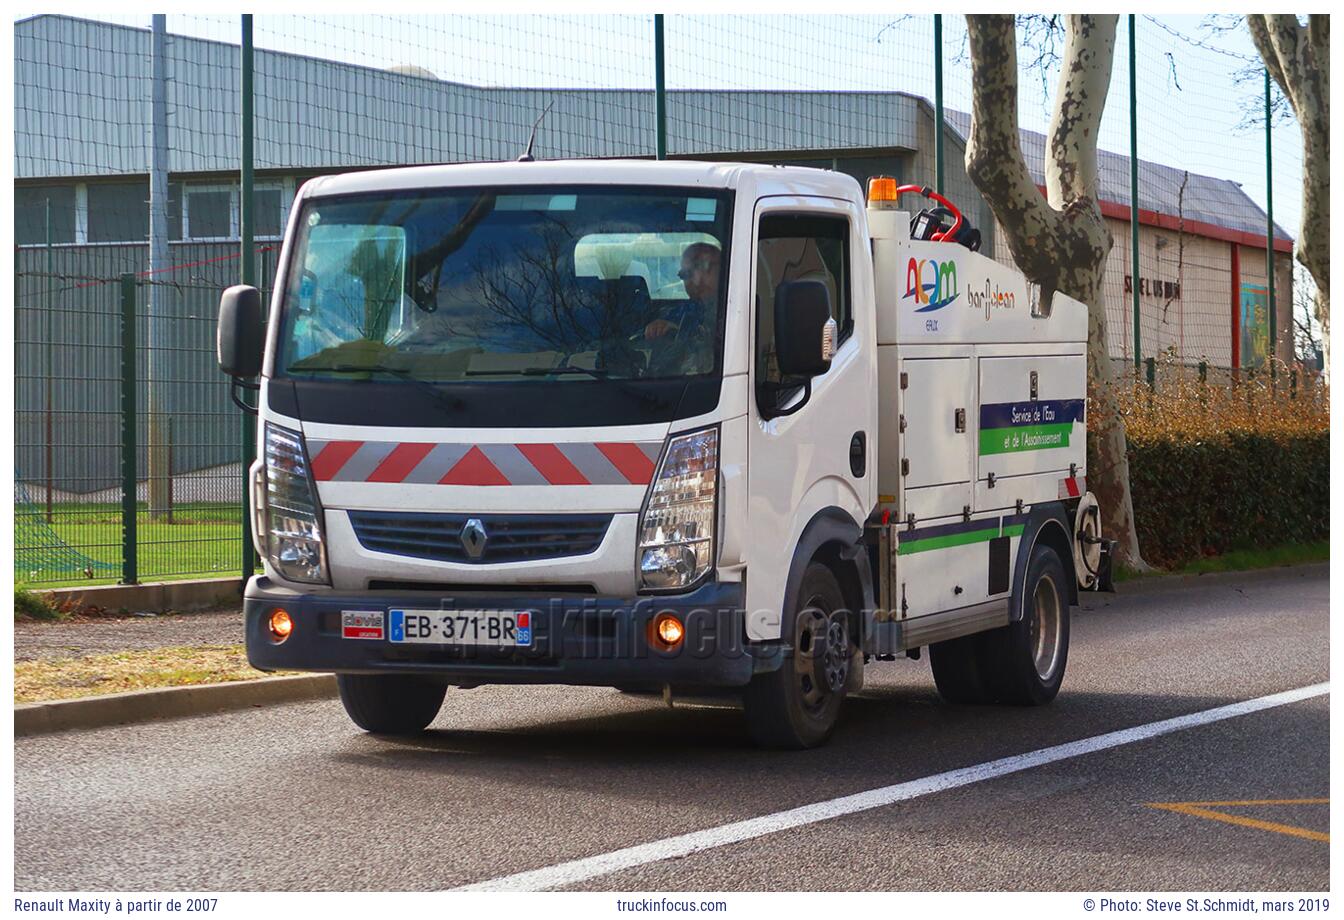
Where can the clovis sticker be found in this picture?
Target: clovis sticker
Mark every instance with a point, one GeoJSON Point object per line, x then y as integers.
{"type": "Point", "coordinates": [361, 624]}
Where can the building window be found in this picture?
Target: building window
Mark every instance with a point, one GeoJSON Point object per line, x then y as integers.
{"type": "Point", "coordinates": [118, 212]}
{"type": "Point", "coordinates": [30, 214]}
{"type": "Point", "coordinates": [208, 213]}
{"type": "Point", "coordinates": [211, 212]}
{"type": "Point", "coordinates": [268, 208]}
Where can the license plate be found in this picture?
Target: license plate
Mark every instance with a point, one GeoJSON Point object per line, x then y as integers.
{"type": "Point", "coordinates": [493, 628]}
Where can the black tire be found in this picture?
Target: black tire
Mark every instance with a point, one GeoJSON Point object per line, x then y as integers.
{"type": "Point", "coordinates": [1024, 661]}
{"type": "Point", "coordinates": [391, 704]}
{"type": "Point", "coordinates": [798, 704]}
{"type": "Point", "coordinates": [959, 671]}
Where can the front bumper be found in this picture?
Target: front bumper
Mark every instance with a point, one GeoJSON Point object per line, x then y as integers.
{"type": "Point", "coordinates": [598, 641]}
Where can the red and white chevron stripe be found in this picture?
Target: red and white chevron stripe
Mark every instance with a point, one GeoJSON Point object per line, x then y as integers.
{"type": "Point", "coordinates": [1072, 486]}
{"type": "Point", "coordinates": [569, 464]}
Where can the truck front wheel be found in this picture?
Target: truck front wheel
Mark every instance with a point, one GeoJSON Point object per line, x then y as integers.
{"type": "Point", "coordinates": [391, 704]}
{"type": "Point", "coordinates": [798, 704]}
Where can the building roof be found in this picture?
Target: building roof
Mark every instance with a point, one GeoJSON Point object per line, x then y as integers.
{"type": "Point", "coordinates": [82, 91]}
{"type": "Point", "coordinates": [1205, 199]}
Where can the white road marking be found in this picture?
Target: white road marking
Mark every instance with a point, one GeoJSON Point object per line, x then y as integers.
{"type": "Point", "coordinates": [580, 870]}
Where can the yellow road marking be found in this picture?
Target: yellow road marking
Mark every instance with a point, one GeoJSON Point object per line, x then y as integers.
{"type": "Point", "coordinates": [1202, 810]}
{"type": "Point", "coordinates": [1247, 802]}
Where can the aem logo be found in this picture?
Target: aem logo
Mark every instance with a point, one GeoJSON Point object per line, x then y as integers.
{"type": "Point", "coordinates": [931, 283]}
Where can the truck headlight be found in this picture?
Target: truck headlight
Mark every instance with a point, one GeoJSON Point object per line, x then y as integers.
{"type": "Point", "coordinates": [676, 528]}
{"type": "Point", "coordinates": [293, 518]}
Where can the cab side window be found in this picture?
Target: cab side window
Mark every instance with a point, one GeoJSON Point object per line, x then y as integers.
{"type": "Point", "coordinates": [797, 247]}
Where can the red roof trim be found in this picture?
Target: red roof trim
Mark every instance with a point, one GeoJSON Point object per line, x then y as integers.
{"type": "Point", "coordinates": [1118, 211]}
{"type": "Point", "coordinates": [1197, 227]}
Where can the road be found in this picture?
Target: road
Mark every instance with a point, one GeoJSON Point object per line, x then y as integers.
{"type": "Point", "coordinates": [510, 780]}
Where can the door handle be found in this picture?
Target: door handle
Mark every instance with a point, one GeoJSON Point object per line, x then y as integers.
{"type": "Point", "coordinates": [858, 454]}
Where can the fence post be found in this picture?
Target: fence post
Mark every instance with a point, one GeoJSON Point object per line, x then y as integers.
{"type": "Point", "coordinates": [169, 422]}
{"type": "Point", "coordinates": [160, 385]}
{"type": "Point", "coordinates": [659, 88]}
{"type": "Point", "coordinates": [49, 368]}
{"type": "Point", "coordinates": [1134, 194]}
{"type": "Point", "coordinates": [248, 269]}
{"type": "Point", "coordinates": [1269, 228]}
{"type": "Point", "coordinates": [128, 439]}
{"type": "Point", "coordinates": [938, 102]}
{"type": "Point", "coordinates": [1150, 371]}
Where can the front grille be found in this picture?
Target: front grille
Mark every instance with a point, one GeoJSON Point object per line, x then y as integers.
{"type": "Point", "coordinates": [508, 537]}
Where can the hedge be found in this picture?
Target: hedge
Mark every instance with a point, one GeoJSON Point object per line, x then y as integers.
{"type": "Point", "coordinates": [1203, 497]}
{"type": "Point", "coordinates": [1214, 469]}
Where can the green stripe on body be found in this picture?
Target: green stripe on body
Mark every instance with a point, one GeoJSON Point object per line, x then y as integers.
{"type": "Point", "coordinates": [1024, 437]}
{"type": "Point", "coordinates": [907, 547]}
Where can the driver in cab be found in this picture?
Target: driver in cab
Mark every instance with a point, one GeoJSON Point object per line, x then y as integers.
{"type": "Point", "coordinates": [686, 330]}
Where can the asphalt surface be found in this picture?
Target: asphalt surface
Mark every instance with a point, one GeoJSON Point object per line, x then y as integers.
{"type": "Point", "coordinates": [294, 797]}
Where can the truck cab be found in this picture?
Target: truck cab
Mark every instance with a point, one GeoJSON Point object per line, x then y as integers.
{"type": "Point", "coordinates": [644, 425]}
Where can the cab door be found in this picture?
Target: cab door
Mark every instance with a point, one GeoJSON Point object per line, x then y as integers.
{"type": "Point", "coordinates": [807, 451]}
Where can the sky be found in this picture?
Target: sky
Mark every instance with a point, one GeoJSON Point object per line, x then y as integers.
{"type": "Point", "coordinates": [1191, 108]}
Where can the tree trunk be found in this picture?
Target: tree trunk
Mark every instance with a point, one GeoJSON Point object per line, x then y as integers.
{"type": "Point", "coordinates": [1298, 58]}
{"type": "Point", "coordinates": [1108, 475]}
{"type": "Point", "coordinates": [1323, 317]}
{"type": "Point", "coordinates": [1060, 242]}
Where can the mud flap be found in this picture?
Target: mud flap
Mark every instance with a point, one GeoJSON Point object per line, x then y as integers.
{"type": "Point", "coordinates": [1105, 576]}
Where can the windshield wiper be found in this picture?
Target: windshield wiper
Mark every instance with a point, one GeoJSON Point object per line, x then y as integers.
{"type": "Point", "coordinates": [565, 369]}
{"type": "Point", "coordinates": [401, 373]}
{"type": "Point", "coordinates": [595, 373]}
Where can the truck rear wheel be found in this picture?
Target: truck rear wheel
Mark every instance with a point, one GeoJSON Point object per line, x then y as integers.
{"type": "Point", "coordinates": [798, 704]}
{"type": "Point", "coordinates": [1021, 663]}
{"type": "Point", "coordinates": [1026, 659]}
{"type": "Point", "coordinates": [391, 704]}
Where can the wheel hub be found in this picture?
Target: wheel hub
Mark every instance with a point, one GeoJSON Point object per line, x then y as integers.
{"type": "Point", "coordinates": [1046, 621]}
{"type": "Point", "coordinates": [835, 663]}
{"type": "Point", "coordinates": [822, 656]}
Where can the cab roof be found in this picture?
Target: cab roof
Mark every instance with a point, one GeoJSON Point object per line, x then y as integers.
{"type": "Point", "coordinates": [680, 173]}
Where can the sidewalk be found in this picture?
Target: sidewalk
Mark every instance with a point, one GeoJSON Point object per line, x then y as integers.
{"type": "Point", "coordinates": [96, 672]}
{"type": "Point", "coordinates": [96, 636]}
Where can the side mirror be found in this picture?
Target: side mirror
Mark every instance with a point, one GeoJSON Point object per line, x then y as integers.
{"type": "Point", "coordinates": [240, 338]}
{"type": "Point", "coordinates": [804, 331]}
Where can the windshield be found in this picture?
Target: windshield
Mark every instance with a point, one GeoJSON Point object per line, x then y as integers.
{"type": "Point", "coordinates": [562, 283]}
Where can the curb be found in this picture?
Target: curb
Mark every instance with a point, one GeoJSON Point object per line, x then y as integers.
{"type": "Point", "coordinates": [157, 596]}
{"type": "Point", "coordinates": [168, 703]}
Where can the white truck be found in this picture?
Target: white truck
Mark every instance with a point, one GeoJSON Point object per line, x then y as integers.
{"type": "Point", "coordinates": [666, 426]}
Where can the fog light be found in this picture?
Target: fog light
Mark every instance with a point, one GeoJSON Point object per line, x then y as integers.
{"type": "Point", "coordinates": [281, 625]}
{"type": "Point", "coordinates": [668, 630]}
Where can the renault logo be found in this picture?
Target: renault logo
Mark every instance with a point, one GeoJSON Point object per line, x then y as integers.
{"type": "Point", "coordinates": [473, 537]}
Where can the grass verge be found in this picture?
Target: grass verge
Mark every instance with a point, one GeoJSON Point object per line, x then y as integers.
{"type": "Point", "coordinates": [31, 606]}
{"type": "Point", "coordinates": [1244, 560]}
{"type": "Point", "coordinates": [117, 672]}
